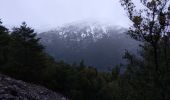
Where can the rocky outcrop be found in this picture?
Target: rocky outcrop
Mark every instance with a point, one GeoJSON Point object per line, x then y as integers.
{"type": "Point", "coordinates": [11, 89]}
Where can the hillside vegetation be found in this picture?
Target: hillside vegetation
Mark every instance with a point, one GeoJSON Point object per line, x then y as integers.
{"type": "Point", "coordinates": [95, 43]}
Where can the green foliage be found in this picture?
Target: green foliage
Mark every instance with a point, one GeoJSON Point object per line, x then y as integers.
{"type": "Point", "coordinates": [148, 75]}
{"type": "Point", "coordinates": [4, 40]}
{"type": "Point", "coordinates": [25, 55]}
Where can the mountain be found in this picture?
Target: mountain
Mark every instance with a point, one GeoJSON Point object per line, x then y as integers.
{"type": "Point", "coordinates": [98, 44]}
{"type": "Point", "coordinates": [11, 89]}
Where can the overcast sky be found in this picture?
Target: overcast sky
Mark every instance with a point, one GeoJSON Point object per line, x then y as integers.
{"type": "Point", "coordinates": [52, 13]}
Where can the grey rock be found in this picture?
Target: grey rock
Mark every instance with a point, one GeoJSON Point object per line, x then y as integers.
{"type": "Point", "coordinates": [11, 89]}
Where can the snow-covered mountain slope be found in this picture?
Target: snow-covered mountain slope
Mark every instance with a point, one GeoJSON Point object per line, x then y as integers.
{"type": "Point", "coordinates": [98, 44]}
{"type": "Point", "coordinates": [85, 29]}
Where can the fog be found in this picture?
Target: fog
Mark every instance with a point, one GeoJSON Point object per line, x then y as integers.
{"type": "Point", "coordinates": [45, 14]}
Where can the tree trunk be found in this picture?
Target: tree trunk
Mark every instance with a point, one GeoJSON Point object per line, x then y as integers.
{"type": "Point", "coordinates": [156, 58]}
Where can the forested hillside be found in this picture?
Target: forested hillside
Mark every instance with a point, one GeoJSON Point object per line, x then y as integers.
{"type": "Point", "coordinates": [97, 44]}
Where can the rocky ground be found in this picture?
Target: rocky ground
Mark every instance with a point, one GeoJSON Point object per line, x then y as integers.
{"type": "Point", "coordinates": [11, 89]}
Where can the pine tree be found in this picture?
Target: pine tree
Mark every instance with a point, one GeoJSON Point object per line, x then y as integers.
{"type": "Point", "coordinates": [4, 40]}
{"type": "Point", "coordinates": [26, 57]}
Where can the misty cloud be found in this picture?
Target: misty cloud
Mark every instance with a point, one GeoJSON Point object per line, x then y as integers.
{"type": "Point", "coordinates": [51, 13]}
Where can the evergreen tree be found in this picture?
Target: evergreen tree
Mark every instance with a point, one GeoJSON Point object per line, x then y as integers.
{"type": "Point", "coordinates": [4, 40]}
{"type": "Point", "coordinates": [26, 56]}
